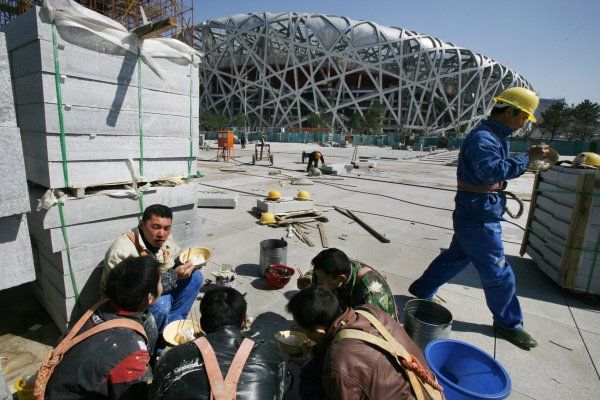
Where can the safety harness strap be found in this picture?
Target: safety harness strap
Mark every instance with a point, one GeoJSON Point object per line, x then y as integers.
{"type": "Point", "coordinates": [223, 389]}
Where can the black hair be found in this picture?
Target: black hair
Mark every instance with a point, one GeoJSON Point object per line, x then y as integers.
{"type": "Point", "coordinates": [333, 262]}
{"type": "Point", "coordinates": [157, 210]}
{"type": "Point", "coordinates": [496, 111]}
{"type": "Point", "coordinates": [315, 307]}
{"type": "Point", "coordinates": [222, 306]}
{"type": "Point", "coordinates": [131, 280]}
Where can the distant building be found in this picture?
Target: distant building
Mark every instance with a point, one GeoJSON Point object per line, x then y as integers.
{"type": "Point", "coordinates": [280, 68]}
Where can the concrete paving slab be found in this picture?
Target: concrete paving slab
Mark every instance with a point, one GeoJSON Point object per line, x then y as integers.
{"type": "Point", "coordinates": [592, 343]}
{"type": "Point", "coordinates": [217, 200]}
{"type": "Point", "coordinates": [558, 368]}
{"type": "Point", "coordinates": [586, 315]}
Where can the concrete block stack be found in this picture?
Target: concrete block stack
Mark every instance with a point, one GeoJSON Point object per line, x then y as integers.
{"type": "Point", "coordinates": [17, 263]}
{"type": "Point", "coordinates": [564, 228]}
{"type": "Point", "coordinates": [123, 119]}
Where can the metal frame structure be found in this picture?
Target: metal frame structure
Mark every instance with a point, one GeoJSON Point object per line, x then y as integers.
{"type": "Point", "coordinates": [280, 68]}
{"type": "Point", "coordinates": [127, 12]}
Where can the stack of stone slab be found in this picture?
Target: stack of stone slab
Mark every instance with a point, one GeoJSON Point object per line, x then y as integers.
{"type": "Point", "coordinates": [120, 113]}
{"type": "Point", "coordinates": [564, 228]}
{"type": "Point", "coordinates": [101, 100]}
{"type": "Point", "coordinates": [17, 262]}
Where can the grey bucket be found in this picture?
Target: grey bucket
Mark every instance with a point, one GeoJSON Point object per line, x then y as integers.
{"type": "Point", "coordinates": [425, 321]}
{"type": "Point", "coordinates": [272, 251]}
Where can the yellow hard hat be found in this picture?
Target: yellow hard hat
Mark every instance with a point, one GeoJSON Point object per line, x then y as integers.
{"type": "Point", "coordinates": [521, 98]}
{"type": "Point", "coordinates": [587, 158]}
{"type": "Point", "coordinates": [274, 195]}
{"type": "Point", "coordinates": [267, 218]}
{"type": "Point", "coordinates": [303, 195]}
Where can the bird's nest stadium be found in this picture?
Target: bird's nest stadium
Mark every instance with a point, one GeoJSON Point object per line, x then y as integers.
{"type": "Point", "coordinates": [280, 68]}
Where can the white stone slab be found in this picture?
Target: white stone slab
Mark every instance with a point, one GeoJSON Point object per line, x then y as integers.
{"type": "Point", "coordinates": [186, 235]}
{"type": "Point", "coordinates": [102, 62]}
{"type": "Point", "coordinates": [13, 184]}
{"type": "Point", "coordinates": [79, 120]}
{"type": "Point", "coordinates": [41, 88]}
{"type": "Point", "coordinates": [284, 205]}
{"type": "Point", "coordinates": [337, 169]}
{"type": "Point", "coordinates": [101, 147]}
{"type": "Point", "coordinates": [7, 104]}
{"type": "Point", "coordinates": [97, 173]}
{"type": "Point", "coordinates": [218, 200]}
{"type": "Point", "coordinates": [109, 203]}
{"type": "Point", "coordinates": [16, 267]}
{"type": "Point", "coordinates": [98, 231]}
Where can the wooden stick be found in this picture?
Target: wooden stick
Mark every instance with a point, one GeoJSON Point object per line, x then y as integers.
{"type": "Point", "coordinates": [324, 240]}
{"type": "Point", "coordinates": [153, 29]}
{"type": "Point", "coordinates": [362, 223]}
{"type": "Point", "coordinates": [304, 237]}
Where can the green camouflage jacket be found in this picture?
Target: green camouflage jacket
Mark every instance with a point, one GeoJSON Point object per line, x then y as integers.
{"type": "Point", "coordinates": [370, 289]}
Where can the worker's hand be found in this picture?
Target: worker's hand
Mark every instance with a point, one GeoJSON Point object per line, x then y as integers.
{"type": "Point", "coordinates": [304, 282]}
{"type": "Point", "coordinates": [538, 152]}
{"type": "Point", "coordinates": [185, 270]}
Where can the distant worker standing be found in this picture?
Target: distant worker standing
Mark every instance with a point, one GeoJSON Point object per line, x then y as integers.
{"type": "Point", "coordinates": [313, 160]}
{"type": "Point", "coordinates": [243, 140]}
{"type": "Point", "coordinates": [484, 166]}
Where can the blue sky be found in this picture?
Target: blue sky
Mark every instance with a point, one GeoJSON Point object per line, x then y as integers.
{"type": "Point", "coordinates": [555, 44]}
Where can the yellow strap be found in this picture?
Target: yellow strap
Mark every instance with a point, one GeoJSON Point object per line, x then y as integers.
{"type": "Point", "coordinates": [391, 345]}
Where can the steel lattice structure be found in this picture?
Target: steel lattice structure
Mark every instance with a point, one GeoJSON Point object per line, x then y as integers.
{"type": "Point", "coordinates": [279, 68]}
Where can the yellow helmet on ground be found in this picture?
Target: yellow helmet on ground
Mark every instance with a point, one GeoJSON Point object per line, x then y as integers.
{"type": "Point", "coordinates": [587, 158]}
{"type": "Point", "coordinates": [523, 99]}
{"type": "Point", "coordinates": [303, 195]}
{"type": "Point", "coordinates": [274, 195]}
{"type": "Point", "coordinates": [267, 218]}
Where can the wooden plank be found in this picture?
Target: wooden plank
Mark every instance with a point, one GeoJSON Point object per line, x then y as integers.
{"type": "Point", "coordinates": [362, 223]}
{"type": "Point", "coordinates": [324, 240]}
{"type": "Point", "coordinates": [576, 237]}
{"type": "Point", "coordinates": [303, 235]}
{"type": "Point", "coordinates": [536, 184]}
{"type": "Point", "coordinates": [153, 29]}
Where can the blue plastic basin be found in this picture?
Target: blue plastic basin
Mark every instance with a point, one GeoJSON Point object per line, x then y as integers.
{"type": "Point", "coordinates": [466, 372]}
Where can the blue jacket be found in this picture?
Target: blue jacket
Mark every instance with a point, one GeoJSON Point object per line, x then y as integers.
{"type": "Point", "coordinates": [484, 160]}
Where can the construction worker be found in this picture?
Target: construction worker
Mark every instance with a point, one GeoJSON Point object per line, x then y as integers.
{"type": "Point", "coordinates": [350, 280]}
{"type": "Point", "coordinates": [181, 282]}
{"type": "Point", "coordinates": [243, 140]}
{"type": "Point", "coordinates": [313, 160]}
{"type": "Point", "coordinates": [111, 363]}
{"type": "Point", "coordinates": [484, 166]}
{"type": "Point", "coordinates": [184, 373]}
{"type": "Point", "coordinates": [352, 367]}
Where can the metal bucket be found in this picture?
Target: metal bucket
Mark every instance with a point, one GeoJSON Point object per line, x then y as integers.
{"type": "Point", "coordinates": [425, 321]}
{"type": "Point", "coordinates": [272, 251]}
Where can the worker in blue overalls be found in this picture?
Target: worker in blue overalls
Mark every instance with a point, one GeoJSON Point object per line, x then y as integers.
{"type": "Point", "coordinates": [484, 166]}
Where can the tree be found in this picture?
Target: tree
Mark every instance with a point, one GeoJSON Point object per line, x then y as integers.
{"type": "Point", "coordinates": [586, 119]}
{"type": "Point", "coordinates": [355, 121]}
{"type": "Point", "coordinates": [374, 117]}
{"type": "Point", "coordinates": [318, 120]}
{"type": "Point", "coordinates": [555, 118]}
{"type": "Point", "coordinates": [212, 121]}
{"type": "Point", "coordinates": [239, 120]}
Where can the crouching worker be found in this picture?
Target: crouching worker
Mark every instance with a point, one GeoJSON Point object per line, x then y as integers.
{"type": "Point", "coordinates": [104, 355]}
{"type": "Point", "coordinates": [313, 160]}
{"type": "Point", "coordinates": [196, 370]}
{"type": "Point", "coordinates": [181, 282]}
{"type": "Point", "coordinates": [366, 353]}
{"type": "Point", "coordinates": [352, 282]}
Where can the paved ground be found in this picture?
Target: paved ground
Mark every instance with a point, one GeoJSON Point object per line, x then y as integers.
{"type": "Point", "coordinates": [404, 198]}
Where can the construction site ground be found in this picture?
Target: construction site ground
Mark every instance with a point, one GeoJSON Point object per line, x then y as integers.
{"type": "Point", "coordinates": [409, 198]}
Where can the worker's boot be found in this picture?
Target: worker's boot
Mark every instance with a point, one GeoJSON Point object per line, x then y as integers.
{"type": "Point", "coordinates": [521, 339]}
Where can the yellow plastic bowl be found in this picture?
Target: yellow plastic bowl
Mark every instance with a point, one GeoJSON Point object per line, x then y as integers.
{"type": "Point", "coordinates": [195, 253]}
{"type": "Point", "coordinates": [293, 342]}
{"type": "Point", "coordinates": [182, 331]}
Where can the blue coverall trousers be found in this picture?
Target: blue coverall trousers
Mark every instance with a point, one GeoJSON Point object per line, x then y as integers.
{"type": "Point", "coordinates": [479, 243]}
{"type": "Point", "coordinates": [175, 304]}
